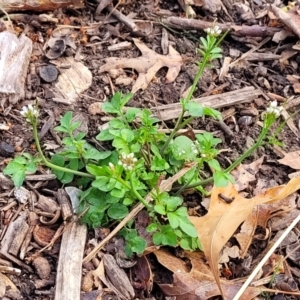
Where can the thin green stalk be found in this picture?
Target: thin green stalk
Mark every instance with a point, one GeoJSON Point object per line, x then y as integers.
{"type": "Point", "coordinates": [189, 181]}
{"type": "Point", "coordinates": [51, 165]}
{"type": "Point", "coordinates": [237, 162]}
{"type": "Point", "coordinates": [137, 194]}
{"type": "Point", "coordinates": [186, 100]}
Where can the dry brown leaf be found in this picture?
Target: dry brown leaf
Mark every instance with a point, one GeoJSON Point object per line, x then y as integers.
{"type": "Point", "coordinates": [198, 283]}
{"type": "Point", "coordinates": [259, 217]}
{"type": "Point", "coordinates": [291, 159]}
{"type": "Point", "coordinates": [222, 220]}
{"type": "Point", "coordinates": [244, 174]}
{"type": "Point", "coordinates": [146, 65]}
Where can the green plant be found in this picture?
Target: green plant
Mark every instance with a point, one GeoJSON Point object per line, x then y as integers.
{"type": "Point", "coordinates": [20, 166]}
{"type": "Point", "coordinates": [141, 157]}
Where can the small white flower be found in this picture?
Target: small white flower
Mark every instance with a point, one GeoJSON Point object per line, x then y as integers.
{"type": "Point", "coordinates": [215, 31]}
{"type": "Point", "coordinates": [127, 161]}
{"type": "Point", "coordinates": [274, 109]}
{"type": "Point", "coordinates": [203, 155]}
{"type": "Point", "coordinates": [29, 112]}
{"type": "Point", "coordinates": [111, 165]}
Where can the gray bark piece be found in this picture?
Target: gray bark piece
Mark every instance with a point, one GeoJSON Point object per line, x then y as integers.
{"type": "Point", "coordinates": [69, 270]}
{"type": "Point", "coordinates": [14, 60]}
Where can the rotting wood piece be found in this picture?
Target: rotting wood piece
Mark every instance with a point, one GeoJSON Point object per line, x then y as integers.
{"type": "Point", "coordinates": [68, 278]}
{"type": "Point", "coordinates": [15, 235]}
{"type": "Point", "coordinates": [65, 204]}
{"type": "Point", "coordinates": [172, 111]}
{"type": "Point", "coordinates": [118, 277]}
{"type": "Point", "coordinates": [14, 61]}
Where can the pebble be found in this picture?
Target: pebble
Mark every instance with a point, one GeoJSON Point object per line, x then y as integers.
{"type": "Point", "coordinates": [48, 73]}
{"type": "Point", "coordinates": [6, 150]}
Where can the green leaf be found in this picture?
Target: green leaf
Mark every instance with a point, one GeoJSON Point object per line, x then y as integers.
{"type": "Point", "coordinates": [116, 123]}
{"type": "Point", "coordinates": [12, 168]}
{"type": "Point", "coordinates": [127, 135]}
{"type": "Point", "coordinates": [101, 183]}
{"type": "Point", "coordinates": [28, 156]}
{"type": "Point", "coordinates": [61, 129]}
{"type": "Point", "coordinates": [183, 148]}
{"type": "Point", "coordinates": [152, 227]}
{"type": "Point", "coordinates": [119, 193]}
{"type": "Point", "coordinates": [216, 50]}
{"type": "Point", "coordinates": [73, 164]}
{"type": "Point", "coordinates": [214, 164]}
{"type": "Point", "coordinates": [110, 108]}
{"type": "Point", "coordinates": [125, 99]}
{"type": "Point", "coordinates": [131, 113]}
{"type": "Point", "coordinates": [74, 125]}
{"type": "Point", "coordinates": [93, 153]}
{"type": "Point", "coordinates": [117, 211]}
{"type": "Point", "coordinates": [173, 220]}
{"type": "Point", "coordinates": [157, 238]}
{"type": "Point", "coordinates": [214, 56]}
{"type": "Point", "coordinates": [31, 168]}
{"type": "Point", "coordinates": [173, 202]}
{"type": "Point", "coordinates": [159, 164]}
{"type": "Point", "coordinates": [185, 244]}
{"type": "Point", "coordinates": [111, 199]}
{"type": "Point", "coordinates": [160, 209]}
{"type": "Point", "coordinates": [66, 119]}
{"type": "Point", "coordinates": [138, 245]}
{"type": "Point", "coordinates": [120, 143]}
{"type": "Point", "coordinates": [79, 136]}
{"type": "Point", "coordinates": [207, 111]}
{"type": "Point", "coordinates": [66, 177]}
{"type": "Point", "coordinates": [204, 42]}
{"type": "Point", "coordinates": [188, 227]}
{"type": "Point", "coordinates": [195, 109]}
{"type": "Point", "coordinates": [128, 201]}
{"type": "Point", "coordinates": [98, 170]}
{"type": "Point", "coordinates": [105, 135]}
{"type": "Point", "coordinates": [169, 239]}
{"type": "Point", "coordinates": [182, 212]}
{"type": "Point", "coordinates": [58, 160]}
{"type": "Point", "coordinates": [18, 178]}
{"type": "Point", "coordinates": [221, 179]}
{"type": "Point", "coordinates": [20, 160]}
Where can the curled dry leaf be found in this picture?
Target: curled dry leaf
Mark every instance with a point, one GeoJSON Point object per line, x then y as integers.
{"type": "Point", "coordinates": [197, 282]}
{"type": "Point", "coordinates": [244, 174]}
{"type": "Point", "coordinates": [146, 65]}
{"type": "Point", "coordinates": [259, 216]}
{"type": "Point", "coordinates": [222, 220]}
{"type": "Point", "coordinates": [291, 159]}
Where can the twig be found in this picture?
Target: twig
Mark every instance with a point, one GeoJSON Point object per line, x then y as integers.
{"type": "Point", "coordinates": [249, 31]}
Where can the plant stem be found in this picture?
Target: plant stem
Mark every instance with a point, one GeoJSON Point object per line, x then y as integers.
{"type": "Point", "coordinates": [51, 165]}
{"type": "Point", "coordinates": [186, 100]}
{"type": "Point", "coordinates": [183, 187]}
{"type": "Point", "coordinates": [237, 162]}
{"type": "Point", "coordinates": [137, 194]}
